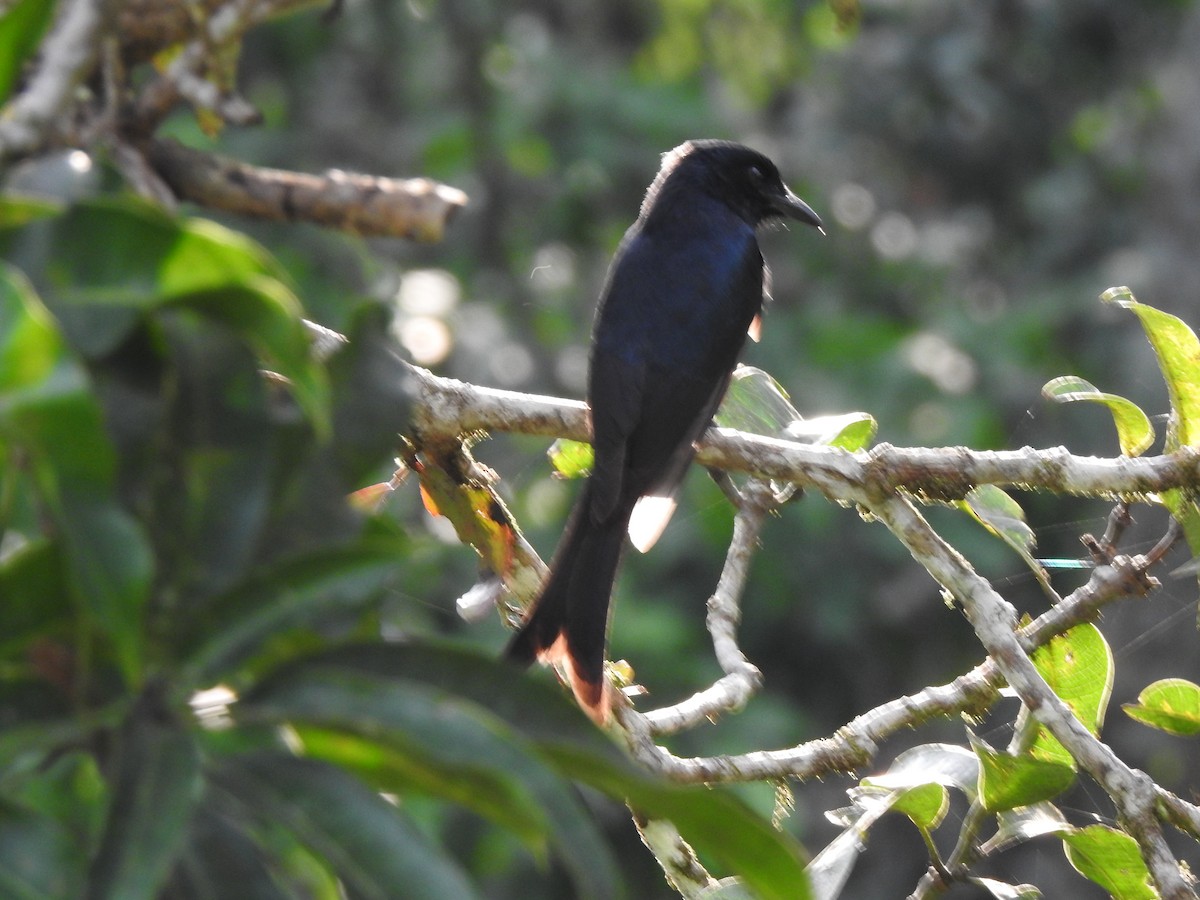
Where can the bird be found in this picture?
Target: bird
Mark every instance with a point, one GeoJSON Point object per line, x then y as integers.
{"type": "Point", "coordinates": [685, 288]}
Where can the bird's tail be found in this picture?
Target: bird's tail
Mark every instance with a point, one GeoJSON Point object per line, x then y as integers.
{"type": "Point", "coordinates": [569, 622]}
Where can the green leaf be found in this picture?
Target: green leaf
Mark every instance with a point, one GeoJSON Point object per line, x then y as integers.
{"type": "Point", "coordinates": [36, 598]}
{"type": "Point", "coordinates": [1134, 430]}
{"type": "Point", "coordinates": [1007, 781]}
{"type": "Point", "coordinates": [915, 784]}
{"type": "Point", "coordinates": [21, 29]}
{"type": "Point", "coordinates": [371, 844]}
{"type": "Point", "coordinates": [1112, 860]}
{"type": "Point", "coordinates": [571, 459]}
{"type": "Point", "coordinates": [925, 805]}
{"type": "Point", "coordinates": [756, 403]}
{"type": "Point", "coordinates": [38, 858]}
{"type": "Point", "coordinates": [404, 735]}
{"type": "Point", "coordinates": [1171, 705]}
{"type": "Point", "coordinates": [848, 431]}
{"type": "Point", "coordinates": [1016, 826]}
{"type": "Point", "coordinates": [221, 861]}
{"type": "Point", "coordinates": [713, 821]}
{"type": "Point", "coordinates": [1000, 514]}
{"type": "Point", "coordinates": [17, 210]}
{"type": "Point", "coordinates": [234, 626]}
{"type": "Point", "coordinates": [1078, 666]}
{"type": "Point", "coordinates": [48, 410]}
{"type": "Point", "coordinates": [1178, 352]}
{"type": "Point", "coordinates": [155, 789]}
{"type": "Point", "coordinates": [110, 261]}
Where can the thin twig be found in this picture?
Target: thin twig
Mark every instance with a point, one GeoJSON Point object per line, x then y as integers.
{"type": "Point", "coordinates": [742, 679]}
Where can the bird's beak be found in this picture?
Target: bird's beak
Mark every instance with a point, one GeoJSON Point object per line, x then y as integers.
{"type": "Point", "coordinates": [789, 205]}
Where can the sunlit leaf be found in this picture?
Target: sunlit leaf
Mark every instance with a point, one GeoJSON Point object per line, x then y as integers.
{"type": "Point", "coordinates": [1016, 826]}
{"type": "Point", "coordinates": [849, 431]}
{"type": "Point", "coordinates": [1178, 352]}
{"type": "Point", "coordinates": [1111, 859]}
{"type": "Point", "coordinates": [571, 459]}
{"type": "Point", "coordinates": [914, 785]}
{"type": "Point", "coordinates": [1078, 666]}
{"type": "Point", "coordinates": [1007, 781]}
{"type": "Point", "coordinates": [1003, 891]}
{"type": "Point", "coordinates": [1002, 516]}
{"type": "Point", "coordinates": [925, 805]}
{"type": "Point", "coordinates": [1171, 705]}
{"type": "Point", "coordinates": [1134, 430]}
{"type": "Point", "coordinates": [831, 868]}
{"type": "Point", "coordinates": [756, 403]}
{"type": "Point", "coordinates": [946, 764]}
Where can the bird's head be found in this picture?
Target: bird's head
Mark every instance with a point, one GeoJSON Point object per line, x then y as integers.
{"type": "Point", "coordinates": [742, 178]}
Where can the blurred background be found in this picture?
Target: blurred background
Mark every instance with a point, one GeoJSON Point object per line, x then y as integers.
{"type": "Point", "coordinates": [984, 170]}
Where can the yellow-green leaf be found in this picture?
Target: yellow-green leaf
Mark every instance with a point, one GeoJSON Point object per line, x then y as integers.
{"type": "Point", "coordinates": [1172, 705]}
{"type": "Point", "coordinates": [1134, 430]}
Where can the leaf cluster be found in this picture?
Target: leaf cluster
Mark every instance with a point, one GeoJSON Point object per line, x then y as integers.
{"type": "Point", "coordinates": [196, 697]}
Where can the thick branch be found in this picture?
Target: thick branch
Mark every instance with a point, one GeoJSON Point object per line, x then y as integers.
{"type": "Point", "coordinates": [448, 407]}
{"type": "Point", "coordinates": [415, 208]}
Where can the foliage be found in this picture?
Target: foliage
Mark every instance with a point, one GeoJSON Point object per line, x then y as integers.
{"type": "Point", "coordinates": [173, 525]}
{"type": "Point", "coordinates": [196, 699]}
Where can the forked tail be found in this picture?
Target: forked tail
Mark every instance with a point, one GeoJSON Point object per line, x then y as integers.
{"type": "Point", "coordinates": [569, 622]}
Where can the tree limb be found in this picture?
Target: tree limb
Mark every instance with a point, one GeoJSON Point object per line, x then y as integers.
{"type": "Point", "coordinates": [416, 208]}
{"type": "Point", "coordinates": [448, 407]}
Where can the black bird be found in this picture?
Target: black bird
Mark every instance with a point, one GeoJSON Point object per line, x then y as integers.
{"type": "Point", "coordinates": [685, 287]}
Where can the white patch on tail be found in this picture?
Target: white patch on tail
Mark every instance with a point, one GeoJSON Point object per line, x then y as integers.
{"type": "Point", "coordinates": [650, 517]}
{"type": "Point", "coordinates": [755, 329]}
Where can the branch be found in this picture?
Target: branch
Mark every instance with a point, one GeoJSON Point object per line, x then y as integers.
{"type": "Point", "coordinates": [994, 621]}
{"type": "Point", "coordinates": [185, 76]}
{"type": "Point", "coordinates": [67, 56]}
{"type": "Point", "coordinates": [148, 26]}
{"type": "Point", "coordinates": [742, 679]}
{"type": "Point", "coordinates": [416, 208]}
{"type": "Point", "coordinates": [855, 744]}
{"type": "Point", "coordinates": [447, 408]}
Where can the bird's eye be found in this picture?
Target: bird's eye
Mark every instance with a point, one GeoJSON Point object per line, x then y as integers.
{"type": "Point", "coordinates": [755, 173]}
